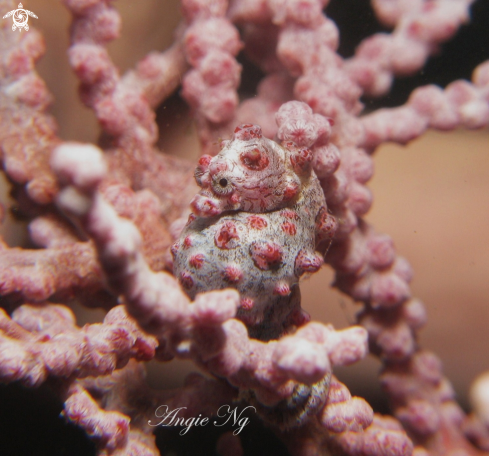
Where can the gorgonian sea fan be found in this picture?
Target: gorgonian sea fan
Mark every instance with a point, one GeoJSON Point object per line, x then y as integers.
{"type": "Point", "coordinates": [283, 195]}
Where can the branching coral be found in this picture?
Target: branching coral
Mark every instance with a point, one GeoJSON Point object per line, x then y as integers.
{"type": "Point", "coordinates": [105, 218]}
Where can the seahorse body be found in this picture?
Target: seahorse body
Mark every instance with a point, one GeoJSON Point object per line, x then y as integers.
{"type": "Point", "coordinates": [255, 226]}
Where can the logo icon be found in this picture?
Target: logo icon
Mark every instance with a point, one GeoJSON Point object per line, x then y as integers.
{"type": "Point", "coordinates": [20, 17]}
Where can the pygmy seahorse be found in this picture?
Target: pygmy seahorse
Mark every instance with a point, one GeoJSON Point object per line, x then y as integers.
{"type": "Point", "coordinates": [255, 226]}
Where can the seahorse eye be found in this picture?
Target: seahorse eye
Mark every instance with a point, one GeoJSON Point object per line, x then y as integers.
{"type": "Point", "coordinates": [222, 185]}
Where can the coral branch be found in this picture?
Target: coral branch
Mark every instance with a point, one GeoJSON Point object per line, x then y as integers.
{"type": "Point", "coordinates": [419, 27]}
{"type": "Point", "coordinates": [352, 429]}
{"type": "Point", "coordinates": [126, 410]}
{"type": "Point", "coordinates": [27, 133]}
{"type": "Point", "coordinates": [42, 341]}
{"type": "Point", "coordinates": [267, 213]}
{"type": "Point", "coordinates": [161, 308]}
{"type": "Point", "coordinates": [460, 104]}
{"type": "Point", "coordinates": [157, 75]}
{"type": "Point", "coordinates": [123, 113]}
{"type": "Point", "coordinates": [60, 272]}
{"type": "Point", "coordinates": [211, 43]}
{"type": "Point", "coordinates": [109, 429]}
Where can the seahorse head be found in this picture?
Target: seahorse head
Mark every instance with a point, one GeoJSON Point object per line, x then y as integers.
{"type": "Point", "coordinates": [251, 173]}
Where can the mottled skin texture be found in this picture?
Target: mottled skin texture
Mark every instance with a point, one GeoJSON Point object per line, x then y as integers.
{"type": "Point", "coordinates": [255, 226]}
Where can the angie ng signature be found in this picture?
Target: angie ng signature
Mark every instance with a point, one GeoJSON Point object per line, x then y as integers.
{"type": "Point", "coordinates": [224, 415]}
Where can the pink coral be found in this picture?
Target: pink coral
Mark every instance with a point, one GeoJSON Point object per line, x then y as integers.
{"type": "Point", "coordinates": [275, 202]}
